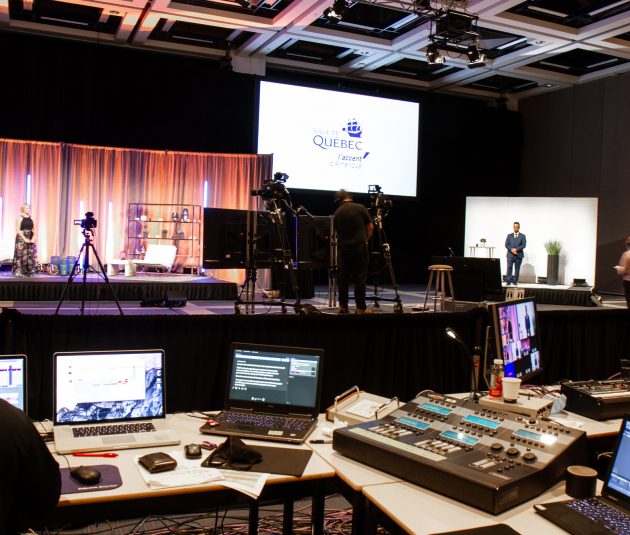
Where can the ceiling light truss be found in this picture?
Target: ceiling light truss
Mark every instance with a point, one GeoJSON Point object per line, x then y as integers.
{"type": "Point", "coordinates": [452, 27]}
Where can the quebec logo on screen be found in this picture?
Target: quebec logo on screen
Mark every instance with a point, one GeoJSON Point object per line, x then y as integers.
{"type": "Point", "coordinates": [345, 146]}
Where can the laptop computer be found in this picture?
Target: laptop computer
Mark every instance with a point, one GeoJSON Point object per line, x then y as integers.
{"type": "Point", "coordinates": [109, 400]}
{"type": "Point", "coordinates": [13, 380]}
{"type": "Point", "coordinates": [605, 514]}
{"type": "Point", "coordinates": [273, 393]}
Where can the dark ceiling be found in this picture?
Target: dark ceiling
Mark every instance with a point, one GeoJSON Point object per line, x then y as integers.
{"type": "Point", "coordinates": [530, 47]}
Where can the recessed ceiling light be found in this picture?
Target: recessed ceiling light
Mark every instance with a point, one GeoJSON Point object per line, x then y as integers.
{"type": "Point", "coordinates": [548, 11]}
{"type": "Point", "coordinates": [549, 64]}
{"type": "Point", "coordinates": [607, 8]}
{"type": "Point", "coordinates": [514, 42]}
{"type": "Point", "coordinates": [600, 63]}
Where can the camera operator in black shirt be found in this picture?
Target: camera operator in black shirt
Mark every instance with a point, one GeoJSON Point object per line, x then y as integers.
{"type": "Point", "coordinates": [354, 228]}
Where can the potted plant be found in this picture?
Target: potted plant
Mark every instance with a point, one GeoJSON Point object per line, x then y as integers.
{"type": "Point", "coordinates": [553, 248]}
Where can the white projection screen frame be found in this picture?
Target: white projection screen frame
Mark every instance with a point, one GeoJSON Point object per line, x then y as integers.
{"type": "Point", "coordinates": [570, 220]}
{"type": "Point", "coordinates": [327, 140]}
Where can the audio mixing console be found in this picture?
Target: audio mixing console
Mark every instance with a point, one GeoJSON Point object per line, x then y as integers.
{"type": "Point", "coordinates": [486, 458]}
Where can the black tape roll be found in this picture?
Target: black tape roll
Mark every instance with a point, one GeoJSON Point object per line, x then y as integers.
{"type": "Point", "coordinates": [581, 481]}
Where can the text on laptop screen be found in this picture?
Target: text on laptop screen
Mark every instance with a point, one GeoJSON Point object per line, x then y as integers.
{"type": "Point", "coordinates": [619, 479]}
{"type": "Point", "coordinates": [274, 377]}
{"type": "Point", "coordinates": [92, 387]}
{"type": "Point", "coordinates": [13, 379]}
{"type": "Point", "coordinates": [517, 339]}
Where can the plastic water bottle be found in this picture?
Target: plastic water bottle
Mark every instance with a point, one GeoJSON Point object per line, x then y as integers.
{"type": "Point", "coordinates": [496, 379]}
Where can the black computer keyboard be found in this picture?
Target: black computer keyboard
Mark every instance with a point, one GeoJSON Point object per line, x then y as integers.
{"type": "Point", "coordinates": [599, 512]}
{"type": "Point", "coordinates": [113, 429]}
{"type": "Point", "coordinates": [264, 420]}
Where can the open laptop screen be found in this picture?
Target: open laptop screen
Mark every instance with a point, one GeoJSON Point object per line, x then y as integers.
{"type": "Point", "coordinates": [275, 376]}
{"type": "Point", "coordinates": [13, 380]}
{"type": "Point", "coordinates": [618, 481]}
{"type": "Point", "coordinates": [101, 386]}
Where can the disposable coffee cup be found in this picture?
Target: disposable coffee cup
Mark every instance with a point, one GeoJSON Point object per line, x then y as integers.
{"type": "Point", "coordinates": [511, 386]}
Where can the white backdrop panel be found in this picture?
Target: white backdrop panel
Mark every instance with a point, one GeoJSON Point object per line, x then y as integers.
{"type": "Point", "coordinates": [571, 220]}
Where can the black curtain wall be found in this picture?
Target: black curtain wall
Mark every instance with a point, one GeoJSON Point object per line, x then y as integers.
{"type": "Point", "coordinates": [385, 354]}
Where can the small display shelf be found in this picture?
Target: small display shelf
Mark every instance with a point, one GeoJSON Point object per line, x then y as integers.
{"type": "Point", "coordinates": [166, 224]}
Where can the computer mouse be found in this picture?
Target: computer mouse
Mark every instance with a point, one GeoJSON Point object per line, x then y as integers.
{"type": "Point", "coordinates": [192, 451]}
{"type": "Point", "coordinates": [86, 475]}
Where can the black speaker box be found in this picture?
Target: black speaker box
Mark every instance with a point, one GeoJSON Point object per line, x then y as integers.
{"type": "Point", "coordinates": [175, 299]}
{"type": "Point", "coordinates": [152, 301]}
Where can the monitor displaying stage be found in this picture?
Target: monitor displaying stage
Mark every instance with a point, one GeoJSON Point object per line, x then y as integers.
{"type": "Point", "coordinates": [517, 337]}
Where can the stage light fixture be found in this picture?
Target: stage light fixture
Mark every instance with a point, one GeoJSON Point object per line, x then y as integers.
{"type": "Point", "coordinates": [433, 55]}
{"type": "Point", "coordinates": [475, 57]}
{"type": "Point", "coordinates": [335, 13]}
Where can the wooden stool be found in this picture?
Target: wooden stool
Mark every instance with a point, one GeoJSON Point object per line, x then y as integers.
{"type": "Point", "coordinates": [514, 293]}
{"type": "Point", "coordinates": [440, 287]}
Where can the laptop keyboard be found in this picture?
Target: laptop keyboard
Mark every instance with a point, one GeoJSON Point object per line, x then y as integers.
{"type": "Point", "coordinates": [265, 420]}
{"type": "Point", "coordinates": [604, 515]}
{"type": "Point", "coordinates": [114, 429]}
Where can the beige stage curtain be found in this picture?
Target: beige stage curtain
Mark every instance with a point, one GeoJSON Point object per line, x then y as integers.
{"type": "Point", "coordinates": [69, 180]}
{"type": "Point", "coordinates": [43, 162]}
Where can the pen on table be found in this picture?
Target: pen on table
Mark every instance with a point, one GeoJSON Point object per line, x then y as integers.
{"type": "Point", "coordinates": [320, 441]}
{"type": "Point", "coordinates": [107, 454]}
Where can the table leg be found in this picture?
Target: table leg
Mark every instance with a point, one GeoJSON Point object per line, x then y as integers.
{"type": "Point", "coordinates": [253, 518]}
{"type": "Point", "coordinates": [287, 518]}
{"type": "Point", "coordinates": [318, 502]}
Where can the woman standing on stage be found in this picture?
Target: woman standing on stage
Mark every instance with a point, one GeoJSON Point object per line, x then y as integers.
{"type": "Point", "coordinates": [25, 254]}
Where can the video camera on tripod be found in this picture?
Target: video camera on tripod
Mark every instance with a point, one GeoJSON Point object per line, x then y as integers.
{"type": "Point", "coordinates": [274, 189]}
{"type": "Point", "coordinates": [88, 223]}
{"type": "Point", "coordinates": [380, 205]}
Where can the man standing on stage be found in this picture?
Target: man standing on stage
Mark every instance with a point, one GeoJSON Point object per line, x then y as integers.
{"type": "Point", "coordinates": [354, 228]}
{"type": "Point", "coordinates": [514, 243]}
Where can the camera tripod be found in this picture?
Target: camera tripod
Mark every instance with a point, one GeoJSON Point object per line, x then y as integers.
{"type": "Point", "coordinates": [276, 219]}
{"type": "Point", "coordinates": [385, 253]}
{"type": "Point", "coordinates": [88, 243]}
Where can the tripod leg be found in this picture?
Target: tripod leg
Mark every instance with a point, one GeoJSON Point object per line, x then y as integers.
{"type": "Point", "coordinates": [388, 261]}
{"type": "Point", "coordinates": [111, 289]}
{"type": "Point", "coordinates": [70, 279]}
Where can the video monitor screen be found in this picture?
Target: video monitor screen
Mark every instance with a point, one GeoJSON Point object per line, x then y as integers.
{"type": "Point", "coordinates": [96, 386]}
{"type": "Point", "coordinates": [517, 337]}
{"type": "Point", "coordinates": [13, 380]}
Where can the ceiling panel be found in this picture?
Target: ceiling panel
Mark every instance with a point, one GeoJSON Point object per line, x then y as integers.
{"type": "Point", "coordinates": [528, 47]}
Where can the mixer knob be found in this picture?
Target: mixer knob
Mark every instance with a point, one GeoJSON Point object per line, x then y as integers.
{"type": "Point", "coordinates": [496, 446]}
{"type": "Point", "coordinates": [529, 457]}
{"type": "Point", "coordinates": [512, 452]}
{"type": "Point", "coordinates": [531, 421]}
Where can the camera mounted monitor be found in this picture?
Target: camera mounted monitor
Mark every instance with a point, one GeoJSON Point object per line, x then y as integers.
{"type": "Point", "coordinates": [517, 338]}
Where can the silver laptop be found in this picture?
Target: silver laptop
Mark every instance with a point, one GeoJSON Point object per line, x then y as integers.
{"type": "Point", "coordinates": [109, 400]}
{"type": "Point", "coordinates": [13, 380]}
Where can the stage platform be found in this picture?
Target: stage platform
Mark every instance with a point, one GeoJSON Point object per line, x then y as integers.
{"type": "Point", "coordinates": [43, 287]}
{"type": "Point", "coordinates": [558, 294]}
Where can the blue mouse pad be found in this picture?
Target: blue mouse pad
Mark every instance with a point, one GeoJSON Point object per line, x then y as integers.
{"type": "Point", "coordinates": [110, 479]}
